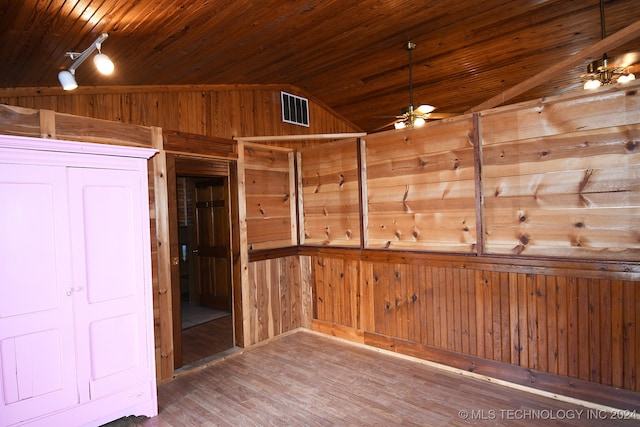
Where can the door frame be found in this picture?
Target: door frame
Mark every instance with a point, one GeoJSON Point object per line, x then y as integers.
{"type": "Point", "coordinates": [203, 167]}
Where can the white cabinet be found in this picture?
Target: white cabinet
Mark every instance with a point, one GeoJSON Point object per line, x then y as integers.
{"type": "Point", "coordinates": [76, 316]}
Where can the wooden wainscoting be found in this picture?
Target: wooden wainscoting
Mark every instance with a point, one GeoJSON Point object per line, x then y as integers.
{"type": "Point", "coordinates": [562, 326]}
{"type": "Point", "coordinates": [279, 298]}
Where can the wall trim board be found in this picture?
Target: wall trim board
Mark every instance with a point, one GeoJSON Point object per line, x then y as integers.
{"type": "Point", "coordinates": [200, 145]}
{"type": "Point", "coordinates": [590, 269]}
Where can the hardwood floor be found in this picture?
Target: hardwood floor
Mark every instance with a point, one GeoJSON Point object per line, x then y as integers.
{"type": "Point", "coordinates": [306, 379]}
{"type": "Point", "coordinates": [201, 341]}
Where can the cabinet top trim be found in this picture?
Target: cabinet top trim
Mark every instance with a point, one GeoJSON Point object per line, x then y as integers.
{"type": "Point", "coordinates": [59, 146]}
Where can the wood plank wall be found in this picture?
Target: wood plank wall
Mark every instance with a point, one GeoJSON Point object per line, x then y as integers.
{"type": "Point", "coordinates": [572, 320]}
{"type": "Point", "coordinates": [279, 297]}
{"type": "Point", "coordinates": [563, 178]}
{"type": "Point", "coordinates": [225, 111]}
{"type": "Point", "coordinates": [330, 194]}
{"type": "Point", "coordinates": [421, 187]}
{"type": "Point", "coordinates": [553, 185]}
{"type": "Point", "coordinates": [270, 194]}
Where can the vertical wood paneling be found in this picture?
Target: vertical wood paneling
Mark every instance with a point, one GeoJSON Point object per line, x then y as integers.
{"type": "Point", "coordinates": [353, 293]}
{"type": "Point", "coordinates": [594, 330]}
{"type": "Point", "coordinates": [505, 318]}
{"type": "Point", "coordinates": [573, 348]}
{"type": "Point", "coordinates": [479, 314]}
{"type": "Point", "coordinates": [523, 319]}
{"type": "Point", "coordinates": [583, 328]}
{"type": "Point", "coordinates": [221, 111]}
{"type": "Point", "coordinates": [367, 302]}
{"type": "Point", "coordinates": [541, 322]}
{"type": "Point", "coordinates": [617, 337]}
{"type": "Point", "coordinates": [400, 301]}
{"type": "Point", "coordinates": [606, 290]}
{"type": "Point", "coordinates": [563, 304]}
{"type": "Point", "coordinates": [415, 305]}
{"type": "Point", "coordinates": [320, 294]}
{"type": "Point", "coordinates": [631, 334]}
{"type": "Point", "coordinates": [551, 293]}
{"type": "Point", "coordinates": [467, 312]}
{"type": "Point", "coordinates": [453, 301]}
{"type": "Point", "coordinates": [280, 301]}
{"type": "Point", "coordinates": [579, 327]}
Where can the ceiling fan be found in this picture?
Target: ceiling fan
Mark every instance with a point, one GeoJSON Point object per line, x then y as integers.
{"type": "Point", "coordinates": [608, 70]}
{"type": "Point", "coordinates": [412, 116]}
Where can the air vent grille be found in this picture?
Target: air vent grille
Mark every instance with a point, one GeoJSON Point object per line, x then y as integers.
{"type": "Point", "coordinates": [295, 109]}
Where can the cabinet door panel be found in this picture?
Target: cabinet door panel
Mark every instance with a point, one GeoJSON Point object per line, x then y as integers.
{"type": "Point", "coordinates": [37, 358]}
{"type": "Point", "coordinates": [111, 280]}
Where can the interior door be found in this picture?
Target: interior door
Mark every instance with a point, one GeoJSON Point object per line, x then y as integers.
{"type": "Point", "coordinates": [213, 260]}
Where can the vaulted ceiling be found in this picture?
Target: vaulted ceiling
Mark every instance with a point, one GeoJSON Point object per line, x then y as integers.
{"type": "Point", "coordinates": [350, 55]}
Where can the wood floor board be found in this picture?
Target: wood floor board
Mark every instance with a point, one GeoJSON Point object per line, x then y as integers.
{"type": "Point", "coordinates": [307, 379]}
{"type": "Point", "coordinates": [206, 339]}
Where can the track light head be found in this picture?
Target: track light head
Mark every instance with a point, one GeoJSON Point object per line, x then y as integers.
{"type": "Point", "coordinates": [67, 80]}
{"type": "Point", "coordinates": [102, 62]}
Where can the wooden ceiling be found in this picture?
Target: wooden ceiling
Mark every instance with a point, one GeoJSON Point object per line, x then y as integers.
{"type": "Point", "coordinates": [350, 55]}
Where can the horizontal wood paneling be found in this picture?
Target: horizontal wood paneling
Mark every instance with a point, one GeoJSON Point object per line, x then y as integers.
{"type": "Point", "coordinates": [420, 188]}
{"type": "Point", "coordinates": [571, 324]}
{"type": "Point", "coordinates": [269, 192]}
{"type": "Point", "coordinates": [562, 178]}
{"type": "Point", "coordinates": [330, 194]}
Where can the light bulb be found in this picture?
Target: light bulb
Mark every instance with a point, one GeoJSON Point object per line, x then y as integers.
{"type": "Point", "coordinates": [67, 80]}
{"type": "Point", "coordinates": [418, 121]}
{"type": "Point", "coordinates": [626, 78]}
{"type": "Point", "coordinates": [103, 63]}
{"type": "Point", "coordinates": [592, 84]}
{"type": "Point", "coordinates": [399, 125]}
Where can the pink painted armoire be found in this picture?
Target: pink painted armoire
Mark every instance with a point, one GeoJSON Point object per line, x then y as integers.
{"type": "Point", "coordinates": [76, 315]}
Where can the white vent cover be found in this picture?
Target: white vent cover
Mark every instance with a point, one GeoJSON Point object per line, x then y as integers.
{"type": "Point", "coordinates": [295, 109]}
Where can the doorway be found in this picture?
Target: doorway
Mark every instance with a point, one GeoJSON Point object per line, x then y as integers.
{"type": "Point", "coordinates": [203, 311]}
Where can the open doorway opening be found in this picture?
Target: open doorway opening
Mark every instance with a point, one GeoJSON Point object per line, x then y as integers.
{"type": "Point", "coordinates": [203, 311]}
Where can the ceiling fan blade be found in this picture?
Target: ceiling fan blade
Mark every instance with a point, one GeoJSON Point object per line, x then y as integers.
{"type": "Point", "coordinates": [432, 116]}
{"type": "Point", "coordinates": [623, 61]}
{"type": "Point", "coordinates": [424, 109]}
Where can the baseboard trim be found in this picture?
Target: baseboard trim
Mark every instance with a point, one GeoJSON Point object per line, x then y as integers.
{"type": "Point", "coordinates": [570, 390]}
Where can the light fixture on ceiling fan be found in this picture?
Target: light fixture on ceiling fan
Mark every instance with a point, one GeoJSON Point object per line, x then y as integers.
{"type": "Point", "coordinates": [411, 116]}
{"type": "Point", "coordinates": [102, 62]}
{"type": "Point", "coordinates": [606, 71]}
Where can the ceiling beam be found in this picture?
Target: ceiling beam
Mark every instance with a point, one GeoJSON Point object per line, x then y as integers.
{"type": "Point", "coordinates": [617, 39]}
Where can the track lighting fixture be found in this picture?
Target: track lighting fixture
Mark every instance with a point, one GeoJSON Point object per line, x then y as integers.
{"type": "Point", "coordinates": [102, 62]}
